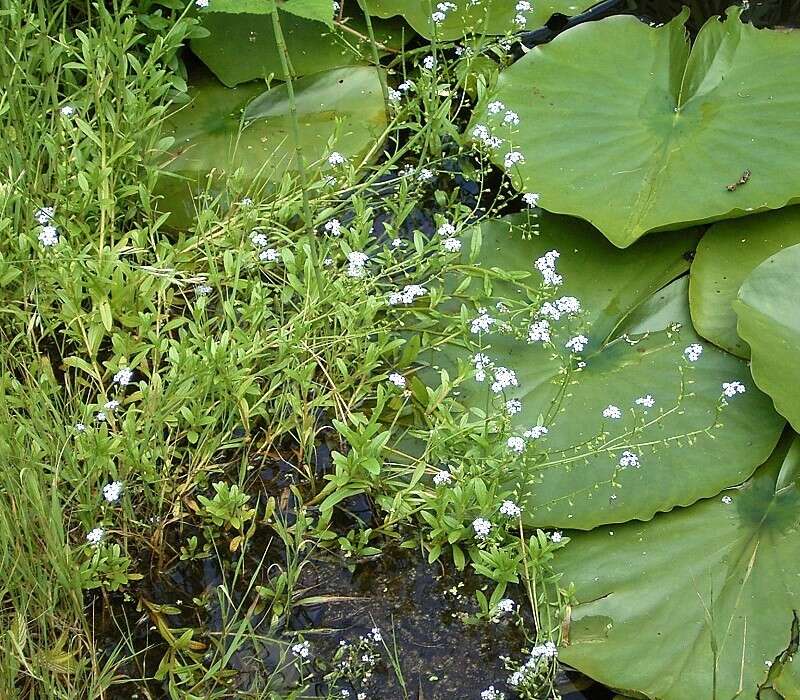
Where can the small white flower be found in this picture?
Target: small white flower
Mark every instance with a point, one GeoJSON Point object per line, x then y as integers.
{"type": "Point", "coordinates": [521, 20]}
{"type": "Point", "coordinates": [482, 323]}
{"type": "Point", "coordinates": [482, 528]}
{"type": "Point", "coordinates": [202, 290]}
{"type": "Point", "coordinates": [425, 174]}
{"type": "Point", "coordinates": [48, 235]}
{"type": "Point", "coordinates": [612, 411]}
{"type": "Point", "coordinates": [375, 635]}
{"type": "Point", "coordinates": [301, 650]}
{"type": "Point", "coordinates": [334, 227]}
{"type": "Point", "coordinates": [394, 95]}
{"type": "Point", "coordinates": [568, 305]}
{"type": "Point", "coordinates": [336, 7]}
{"type": "Point", "coordinates": [67, 111]}
{"type": "Point", "coordinates": [438, 17]}
{"type": "Point", "coordinates": [405, 86]}
{"type": "Point", "coordinates": [101, 416]}
{"type": "Point", "coordinates": [327, 262]}
{"type": "Point", "coordinates": [80, 427]}
{"type": "Point", "coordinates": [451, 245]}
{"type": "Point", "coordinates": [516, 444]}
{"type": "Point", "coordinates": [629, 459]}
{"type": "Point", "coordinates": [523, 6]}
{"type": "Point", "coordinates": [407, 295]}
{"type": "Point", "coordinates": [546, 265]}
{"type": "Point", "coordinates": [44, 215]}
{"type": "Point", "coordinates": [510, 509]}
{"type": "Point", "coordinates": [94, 537]}
{"type": "Point", "coordinates": [428, 62]}
{"type": "Point", "coordinates": [727, 500]}
{"type": "Point", "coordinates": [336, 158]}
{"type": "Point", "coordinates": [397, 379]}
{"type": "Point", "coordinates": [356, 264]}
{"type": "Point", "coordinates": [531, 199]}
{"type": "Point", "coordinates": [556, 536]}
{"type": "Point", "coordinates": [112, 491]}
{"type": "Point", "coordinates": [442, 478]}
{"type": "Point", "coordinates": [492, 694]}
{"type": "Point", "coordinates": [495, 107]}
{"type": "Point", "coordinates": [536, 432]}
{"type": "Point", "coordinates": [201, 3]}
{"type": "Point", "coordinates": [506, 606]}
{"type": "Point", "coordinates": [513, 158]}
{"type": "Point", "coordinates": [503, 379]}
{"type": "Point", "coordinates": [481, 133]}
{"type": "Point", "coordinates": [124, 376]}
{"type": "Point", "coordinates": [258, 239]}
{"type": "Point", "coordinates": [511, 118]}
{"type": "Point", "coordinates": [513, 406]}
{"type": "Point", "coordinates": [647, 401]}
{"type": "Point", "coordinates": [269, 255]}
{"type": "Point", "coordinates": [397, 242]}
{"type": "Point", "coordinates": [111, 405]}
{"type": "Point", "coordinates": [246, 202]}
{"type": "Point", "coordinates": [539, 331]}
{"type": "Point", "coordinates": [577, 344]}
{"type": "Point", "coordinates": [693, 352]}
{"type": "Point", "coordinates": [730, 389]}
{"type": "Point", "coordinates": [446, 229]}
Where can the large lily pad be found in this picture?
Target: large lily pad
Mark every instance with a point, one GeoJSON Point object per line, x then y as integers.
{"type": "Point", "coordinates": [768, 308]}
{"type": "Point", "coordinates": [485, 17]}
{"type": "Point", "coordinates": [726, 255]}
{"type": "Point", "coordinates": [622, 125]}
{"type": "Point", "coordinates": [658, 601]}
{"type": "Point", "coordinates": [248, 129]}
{"type": "Point", "coordinates": [242, 46]}
{"type": "Point", "coordinates": [687, 446]}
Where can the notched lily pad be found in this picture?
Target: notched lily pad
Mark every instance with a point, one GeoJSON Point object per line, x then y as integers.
{"type": "Point", "coordinates": [677, 137]}
{"type": "Point", "coordinates": [717, 578]}
{"type": "Point", "coordinates": [635, 423]}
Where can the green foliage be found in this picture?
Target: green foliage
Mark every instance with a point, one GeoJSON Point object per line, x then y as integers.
{"type": "Point", "coordinates": [228, 507]}
{"type": "Point", "coordinates": [709, 586]}
{"type": "Point", "coordinates": [769, 321]}
{"type": "Point", "coordinates": [246, 132]}
{"type": "Point", "coordinates": [664, 135]}
{"type": "Point", "coordinates": [107, 567]}
{"type": "Point", "coordinates": [726, 255]}
{"type": "Point", "coordinates": [317, 10]}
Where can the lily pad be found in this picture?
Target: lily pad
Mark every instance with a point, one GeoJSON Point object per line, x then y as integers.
{"type": "Point", "coordinates": [658, 601]}
{"type": "Point", "coordinates": [242, 46]}
{"type": "Point", "coordinates": [686, 444]}
{"type": "Point", "coordinates": [249, 130]}
{"type": "Point", "coordinates": [318, 10]}
{"type": "Point", "coordinates": [768, 308]}
{"type": "Point", "coordinates": [726, 255]}
{"type": "Point", "coordinates": [677, 137]}
{"type": "Point", "coordinates": [467, 17]}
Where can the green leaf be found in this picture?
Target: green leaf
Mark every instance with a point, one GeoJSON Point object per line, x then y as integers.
{"type": "Point", "coordinates": [317, 10]}
{"type": "Point", "coordinates": [485, 17]}
{"type": "Point", "coordinates": [713, 574]}
{"type": "Point", "coordinates": [689, 448]}
{"type": "Point", "coordinates": [768, 308]}
{"type": "Point", "coordinates": [654, 146]}
{"type": "Point", "coordinates": [726, 255]}
{"type": "Point", "coordinates": [242, 46]}
{"type": "Point", "coordinates": [248, 129]}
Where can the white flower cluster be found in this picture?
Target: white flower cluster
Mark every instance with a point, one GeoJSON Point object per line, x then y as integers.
{"type": "Point", "coordinates": [535, 432]}
{"type": "Point", "coordinates": [407, 295]}
{"type": "Point", "coordinates": [506, 606]}
{"type": "Point", "coordinates": [511, 118]}
{"type": "Point", "coordinates": [301, 650]}
{"type": "Point", "coordinates": [611, 411]}
{"type": "Point", "coordinates": [482, 363]}
{"type": "Point", "coordinates": [260, 241]}
{"type": "Point", "coordinates": [513, 406]}
{"type": "Point", "coordinates": [539, 331]}
{"type": "Point", "coordinates": [531, 199]}
{"type": "Point", "coordinates": [577, 344]}
{"type": "Point", "coordinates": [112, 491]}
{"type": "Point", "coordinates": [442, 9]}
{"type": "Point", "coordinates": [693, 352]}
{"type": "Point", "coordinates": [451, 245]}
{"type": "Point", "coordinates": [491, 693]}
{"type": "Point", "coordinates": [429, 62]}
{"type": "Point", "coordinates": [647, 401]}
{"type": "Point", "coordinates": [522, 7]}
{"type": "Point", "coordinates": [510, 509]}
{"type": "Point", "coordinates": [95, 536]}
{"type": "Point", "coordinates": [333, 227]}
{"type": "Point", "coordinates": [481, 133]}
{"type": "Point", "coordinates": [730, 389]}
{"type": "Point", "coordinates": [516, 444]}
{"type": "Point", "coordinates": [482, 323]}
{"type": "Point", "coordinates": [495, 107]}
{"type": "Point", "coordinates": [556, 536]}
{"type": "Point", "coordinates": [503, 378]}
{"type": "Point", "coordinates": [629, 459]}
{"type": "Point", "coordinates": [513, 158]}
{"type": "Point", "coordinates": [124, 376]}
{"type": "Point", "coordinates": [547, 266]}
{"type": "Point", "coordinates": [357, 263]}
{"type": "Point", "coordinates": [519, 678]}
{"type": "Point", "coordinates": [397, 379]}
{"type": "Point", "coordinates": [482, 528]}
{"type": "Point", "coordinates": [48, 234]}
{"type": "Point", "coordinates": [563, 306]}
{"type": "Point", "coordinates": [442, 478]}
{"type": "Point", "coordinates": [336, 158]}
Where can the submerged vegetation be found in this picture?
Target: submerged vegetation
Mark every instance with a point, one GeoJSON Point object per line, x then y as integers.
{"type": "Point", "coordinates": [311, 384]}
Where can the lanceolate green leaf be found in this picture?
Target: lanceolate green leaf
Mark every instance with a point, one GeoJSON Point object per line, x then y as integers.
{"type": "Point", "coordinates": [242, 46]}
{"type": "Point", "coordinates": [768, 308]}
{"type": "Point", "coordinates": [622, 125]}
{"type": "Point", "coordinates": [687, 446]}
{"type": "Point", "coordinates": [657, 601]}
{"type": "Point", "coordinates": [485, 17]}
{"type": "Point", "coordinates": [727, 254]}
{"type": "Point", "coordinates": [247, 129]}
